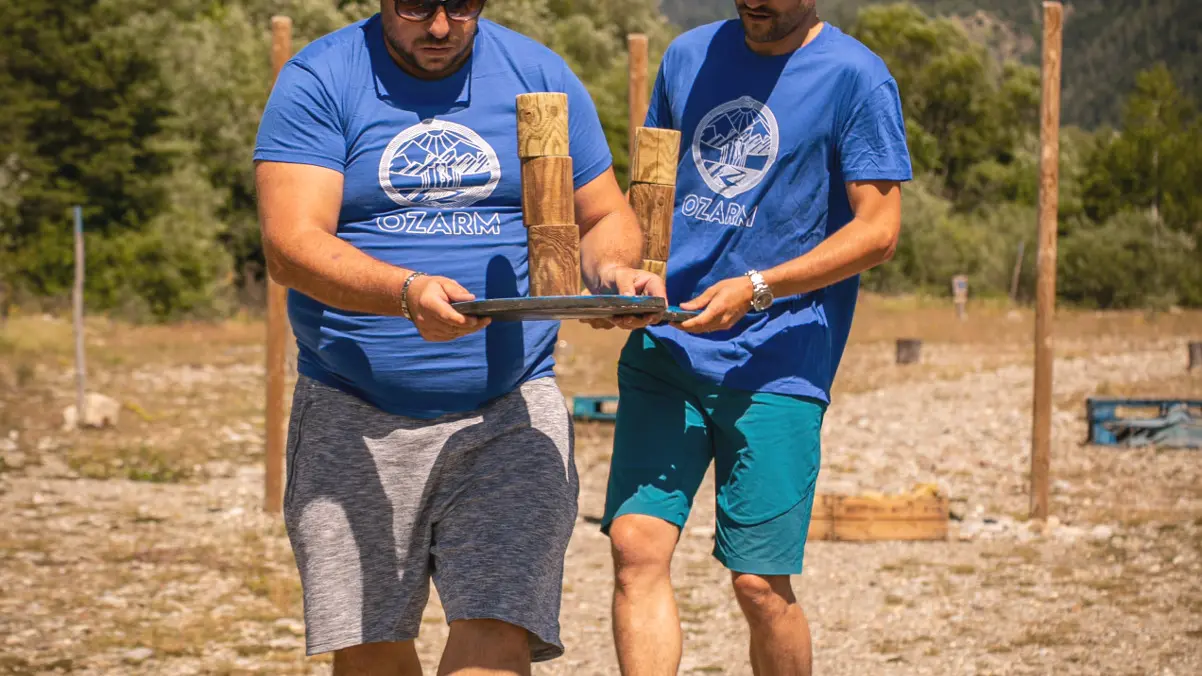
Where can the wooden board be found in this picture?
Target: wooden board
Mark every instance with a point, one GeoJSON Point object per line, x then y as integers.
{"type": "Point", "coordinates": [548, 194]}
{"type": "Point", "coordinates": [865, 519]}
{"type": "Point", "coordinates": [542, 124]}
{"type": "Point", "coordinates": [560, 307]}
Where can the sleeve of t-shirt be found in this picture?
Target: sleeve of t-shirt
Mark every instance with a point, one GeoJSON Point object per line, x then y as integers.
{"type": "Point", "coordinates": [659, 112]}
{"type": "Point", "coordinates": [873, 144]}
{"type": "Point", "coordinates": [588, 145]}
{"type": "Point", "coordinates": [300, 123]}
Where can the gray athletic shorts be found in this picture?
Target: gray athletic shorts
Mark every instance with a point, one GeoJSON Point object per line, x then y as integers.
{"type": "Point", "coordinates": [376, 505]}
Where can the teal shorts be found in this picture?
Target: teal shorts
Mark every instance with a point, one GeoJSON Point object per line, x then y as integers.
{"type": "Point", "coordinates": [766, 450]}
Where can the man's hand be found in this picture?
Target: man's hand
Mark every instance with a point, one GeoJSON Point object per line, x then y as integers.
{"type": "Point", "coordinates": [430, 301]}
{"type": "Point", "coordinates": [629, 282]}
{"type": "Point", "coordinates": [724, 304]}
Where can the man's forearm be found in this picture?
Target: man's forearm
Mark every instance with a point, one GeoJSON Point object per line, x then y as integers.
{"type": "Point", "coordinates": [858, 246]}
{"type": "Point", "coordinates": [334, 272]}
{"type": "Point", "coordinates": [616, 240]}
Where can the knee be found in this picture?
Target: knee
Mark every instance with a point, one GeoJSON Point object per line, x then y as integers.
{"type": "Point", "coordinates": [372, 658]}
{"type": "Point", "coordinates": [493, 631]}
{"type": "Point", "coordinates": [763, 597]}
{"type": "Point", "coordinates": [642, 549]}
{"type": "Point", "coordinates": [497, 635]}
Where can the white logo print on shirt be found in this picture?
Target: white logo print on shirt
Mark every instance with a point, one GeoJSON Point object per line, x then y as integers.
{"type": "Point", "coordinates": [735, 145]}
{"type": "Point", "coordinates": [439, 165]}
{"type": "Point", "coordinates": [733, 148]}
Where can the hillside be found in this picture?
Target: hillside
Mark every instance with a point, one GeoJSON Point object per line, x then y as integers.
{"type": "Point", "coordinates": [1106, 41]}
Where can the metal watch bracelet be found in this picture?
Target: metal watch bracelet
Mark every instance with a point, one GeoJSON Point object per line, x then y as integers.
{"type": "Point", "coordinates": [405, 294]}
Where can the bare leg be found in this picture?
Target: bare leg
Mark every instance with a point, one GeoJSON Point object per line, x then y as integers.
{"type": "Point", "coordinates": [780, 635]}
{"type": "Point", "coordinates": [645, 620]}
{"type": "Point", "coordinates": [486, 648]}
{"type": "Point", "coordinates": [378, 659]}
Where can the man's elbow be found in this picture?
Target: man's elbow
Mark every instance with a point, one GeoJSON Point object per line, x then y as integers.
{"type": "Point", "coordinates": [889, 234]}
{"type": "Point", "coordinates": [278, 270]}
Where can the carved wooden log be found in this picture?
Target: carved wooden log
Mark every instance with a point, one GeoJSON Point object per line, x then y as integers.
{"type": "Point", "coordinates": [542, 125]}
{"type": "Point", "coordinates": [547, 195]}
{"type": "Point", "coordinates": [656, 154]}
{"type": "Point", "coordinates": [653, 205]}
{"type": "Point", "coordinates": [656, 267]}
{"type": "Point", "coordinates": [547, 191]}
{"type": "Point", "coordinates": [653, 192]}
{"type": "Point", "coordinates": [554, 260]}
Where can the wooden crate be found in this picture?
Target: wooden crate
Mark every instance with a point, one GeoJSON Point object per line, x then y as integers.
{"type": "Point", "coordinates": [867, 519]}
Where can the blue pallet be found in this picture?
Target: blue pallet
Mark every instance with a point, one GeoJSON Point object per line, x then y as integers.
{"type": "Point", "coordinates": [1103, 415]}
{"type": "Point", "coordinates": [591, 408]}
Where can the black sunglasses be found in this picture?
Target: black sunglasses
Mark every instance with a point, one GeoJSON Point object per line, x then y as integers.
{"type": "Point", "coordinates": [424, 10]}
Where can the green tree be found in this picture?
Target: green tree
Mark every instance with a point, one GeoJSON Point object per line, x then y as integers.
{"type": "Point", "coordinates": [85, 112]}
{"type": "Point", "coordinates": [968, 114]}
{"type": "Point", "coordinates": [1129, 261]}
{"type": "Point", "coordinates": [1154, 162]}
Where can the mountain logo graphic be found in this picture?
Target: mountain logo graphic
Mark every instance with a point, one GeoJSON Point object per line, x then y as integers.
{"type": "Point", "coordinates": [439, 165]}
{"type": "Point", "coordinates": [735, 145]}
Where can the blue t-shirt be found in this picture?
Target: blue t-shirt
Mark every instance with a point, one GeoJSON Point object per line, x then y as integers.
{"type": "Point", "coordinates": [432, 183]}
{"type": "Point", "coordinates": [767, 144]}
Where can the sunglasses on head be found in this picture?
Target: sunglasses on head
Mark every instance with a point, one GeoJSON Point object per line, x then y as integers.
{"type": "Point", "coordinates": [424, 10]}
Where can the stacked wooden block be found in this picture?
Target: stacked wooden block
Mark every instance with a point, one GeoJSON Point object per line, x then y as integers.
{"type": "Point", "coordinates": [653, 192]}
{"type": "Point", "coordinates": [547, 195]}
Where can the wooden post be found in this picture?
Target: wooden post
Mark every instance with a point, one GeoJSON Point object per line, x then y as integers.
{"type": "Point", "coordinates": [1018, 271]}
{"type": "Point", "coordinates": [909, 350]}
{"type": "Point", "coordinates": [277, 326]}
{"type": "Point", "coordinates": [960, 295]}
{"type": "Point", "coordinates": [547, 196]}
{"type": "Point", "coordinates": [1049, 187]}
{"type": "Point", "coordinates": [81, 370]}
{"type": "Point", "coordinates": [653, 192]}
{"type": "Point", "coordinates": [637, 94]}
{"type": "Point", "coordinates": [1195, 355]}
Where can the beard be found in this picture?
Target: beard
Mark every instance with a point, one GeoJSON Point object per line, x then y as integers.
{"type": "Point", "coordinates": [777, 25]}
{"type": "Point", "coordinates": [424, 65]}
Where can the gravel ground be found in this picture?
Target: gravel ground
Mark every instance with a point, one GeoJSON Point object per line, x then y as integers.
{"type": "Point", "coordinates": [121, 577]}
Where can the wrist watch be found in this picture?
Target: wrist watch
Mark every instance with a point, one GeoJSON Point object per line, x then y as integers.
{"type": "Point", "coordinates": [762, 297]}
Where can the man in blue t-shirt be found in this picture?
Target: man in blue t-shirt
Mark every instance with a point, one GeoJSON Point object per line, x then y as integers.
{"type": "Point", "coordinates": [793, 151]}
{"type": "Point", "coordinates": [425, 444]}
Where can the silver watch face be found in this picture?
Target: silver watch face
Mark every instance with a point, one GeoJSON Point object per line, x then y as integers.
{"type": "Point", "coordinates": [762, 300]}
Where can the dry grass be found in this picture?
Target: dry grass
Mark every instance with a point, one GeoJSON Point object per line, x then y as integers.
{"type": "Point", "coordinates": [190, 393]}
{"type": "Point", "coordinates": [951, 348]}
{"type": "Point", "coordinates": [193, 395]}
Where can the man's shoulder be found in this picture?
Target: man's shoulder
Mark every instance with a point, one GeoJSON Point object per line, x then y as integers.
{"type": "Point", "coordinates": [530, 51]}
{"type": "Point", "coordinates": [336, 49]}
{"type": "Point", "coordinates": [696, 42]}
{"type": "Point", "coordinates": [854, 56]}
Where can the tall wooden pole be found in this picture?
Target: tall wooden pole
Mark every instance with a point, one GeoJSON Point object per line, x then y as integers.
{"type": "Point", "coordinates": [638, 95]}
{"type": "Point", "coordinates": [1049, 189]}
{"type": "Point", "coordinates": [277, 326]}
{"type": "Point", "coordinates": [81, 369]}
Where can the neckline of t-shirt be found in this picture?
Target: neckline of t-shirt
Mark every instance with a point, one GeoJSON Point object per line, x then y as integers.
{"type": "Point", "coordinates": [397, 75]}
{"type": "Point", "coordinates": [813, 45]}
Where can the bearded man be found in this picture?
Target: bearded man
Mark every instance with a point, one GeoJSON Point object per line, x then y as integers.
{"type": "Point", "coordinates": [793, 153]}
{"type": "Point", "coordinates": [425, 444]}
